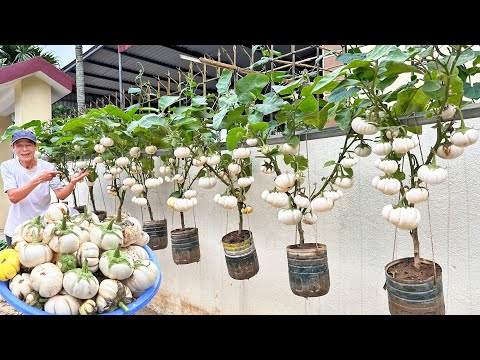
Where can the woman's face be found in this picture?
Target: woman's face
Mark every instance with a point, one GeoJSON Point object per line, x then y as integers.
{"type": "Point", "coordinates": [24, 149]}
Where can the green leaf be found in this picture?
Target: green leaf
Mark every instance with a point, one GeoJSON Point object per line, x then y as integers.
{"type": "Point", "coordinates": [218, 117]}
{"type": "Point", "coordinates": [62, 140]}
{"type": "Point", "coordinates": [146, 122]}
{"type": "Point", "coordinates": [132, 109]}
{"type": "Point", "coordinates": [383, 84]}
{"type": "Point", "coordinates": [329, 163]}
{"type": "Point", "coordinates": [77, 123]}
{"type": "Point", "coordinates": [416, 129]}
{"type": "Point", "coordinates": [472, 91]}
{"type": "Point", "coordinates": [283, 116]}
{"type": "Point", "coordinates": [379, 51]}
{"type": "Point", "coordinates": [346, 83]}
{"type": "Point", "coordinates": [288, 159]}
{"type": "Point", "coordinates": [302, 162]}
{"type": "Point", "coordinates": [399, 175]}
{"type": "Point", "coordinates": [410, 100]}
{"type": "Point", "coordinates": [32, 124]}
{"type": "Point", "coordinates": [343, 118]}
{"type": "Point", "coordinates": [294, 141]}
{"type": "Point", "coordinates": [396, 68]}
{"type": "Point", "coordinates": [191, 127]}
{"type": "Point", "coordinates": [398, 56]}
{"type": "Point", "coordinates": [134, 90]}
{"type": "Point", "coordinates": [320, 118]}
{"type": "Point", "coordinates": [199, 100]}
{"type": "Point", "coordinates": [116, 111]}
{"type": "Point", "coordinates": [249, 87]}
{"type": "Point", "coordinates": [272, 103]}
{"type": "Point", "coordinates": [364, 73]}
{"type": "Point", "coordinates": [234, 117]}
{"type": "Point", "coordinates": [233, 137]}
{"type": "Point", "coordinates": [358, 64]}
{"type": "Point", "coordinates": [223, 83]}
{"type": "Point", "coordinates": [272, 125]}
{"type": "Point", "coordinates": [321, 83]}
{"type": "Point", "coordinates": [228, 101]}
{"type": "Point", "coordinates": [279, 75]}
{"type": "Point", "coordinates": [175, 194]}
{"type": "Point", "coordinates": [308, 104]}
{"type": "Point", "coordinates": [349, 171]}
{"type": "Point", "coordinates": [166, 101]}
{"type": "Point", "coordinates": [346, 58]}
{"type": "Point", "coordinates": [456, 90]}
{"type": "Point", "coordinates": [261, 126]}
{"type": "Point", "coordinates": [255, 117]}
{"type": "Point", "coordinates": [466, 56]}
{"type": "Point", "coordinates": [434, 89]}
{"type": "Point", "coordinates": [289, 88]}
{"type": "Point", "coordinates": [343, 93]}
{"type": "Point", "coordinates": [107, 122]}
{"type": "Point", "coordinates": [184, 121]}
{"type": "Point", "coordinates": [263, 60]}
{"type": "Point", "coordinates": [7, 135]}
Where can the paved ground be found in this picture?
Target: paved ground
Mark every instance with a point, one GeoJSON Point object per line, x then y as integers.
{"type": "Point", "coordinates": [6, 309]}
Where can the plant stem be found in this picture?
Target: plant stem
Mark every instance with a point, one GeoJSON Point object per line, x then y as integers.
{"type": "Point", "coordinates": [182, 219]}
{"type": "Point", "coordinates": [301, 233]}
{"type": "Point", "coordinates": [149, 207]}
{"type": "Point", "coordinates": [240, 218]}
{"type": "Point", "coordinates": [119, 211]}
{"type": "Point", "coordinates": [90, 190]}
{"type": "Point", "coordinates": [416, 249]}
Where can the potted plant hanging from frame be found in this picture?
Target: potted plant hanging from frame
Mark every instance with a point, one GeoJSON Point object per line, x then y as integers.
{"type": "Point", "coordinates": [436, 86]}
{"type": "Point", "coordinates": [243, 114]}
{"type": "Point", "coordinates": [187, 138]}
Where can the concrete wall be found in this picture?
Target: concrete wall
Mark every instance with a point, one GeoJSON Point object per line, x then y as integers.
{"type": "Point", "coordinates": [359, 243]}
{"type": "Point", "coordinates": [5, 154]}
{"type": "Point", "coordinates": [33, 100]}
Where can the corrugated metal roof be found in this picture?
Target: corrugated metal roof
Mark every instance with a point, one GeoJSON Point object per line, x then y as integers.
{"type": "Point", "coordinates": [101, 64]}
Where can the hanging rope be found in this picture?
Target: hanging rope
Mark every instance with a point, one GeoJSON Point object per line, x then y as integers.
{"type": "Point", "coordinates": [468, 234]}
{"type": "Point", "coordinates": [448, 239]}
{"type": "Point", "coordinates": [159, 202]}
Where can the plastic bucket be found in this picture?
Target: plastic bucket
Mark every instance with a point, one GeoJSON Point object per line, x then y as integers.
{"type": "Point", "coordinates": [134, 306]}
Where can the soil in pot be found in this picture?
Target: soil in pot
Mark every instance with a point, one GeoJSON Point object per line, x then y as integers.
{"type": "Point", "coordinates": [185, 246]}
{"type": "Point", "coordinates": [240, 255]}
{"type": "Point", "coordinates": [308, 269]}
{"type": "Point", "coordinates": [412, 292]}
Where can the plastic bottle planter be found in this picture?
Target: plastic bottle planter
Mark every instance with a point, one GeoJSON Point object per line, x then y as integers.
{"type": "Point", "coordinates": [185, 246]}
{"type": "Point", "coordinates": [241, 257]}
{"type": "Point", "coordinates": [80, 208]}
{"type": "Point", "coordinates": [308, 269]}
{"type": "Point", "coordinates": [157, 230]}
{"type": "Point", "coordinates": [102, 214]}
{"type": "Point", "coordinates": [414, 297]}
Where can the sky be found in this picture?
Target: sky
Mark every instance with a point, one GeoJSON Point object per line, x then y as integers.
{"type": "Point", "coordinates": [65, 53]}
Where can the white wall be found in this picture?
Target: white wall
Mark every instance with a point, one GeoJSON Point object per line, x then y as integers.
{"type": "Point", "coordinates": [359, 243]}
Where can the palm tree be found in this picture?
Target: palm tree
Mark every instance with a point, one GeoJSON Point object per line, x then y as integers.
{"type": "Point", "coordinates": [80, 79]}
{"type": "Point", "coordinates": [11, 54]}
